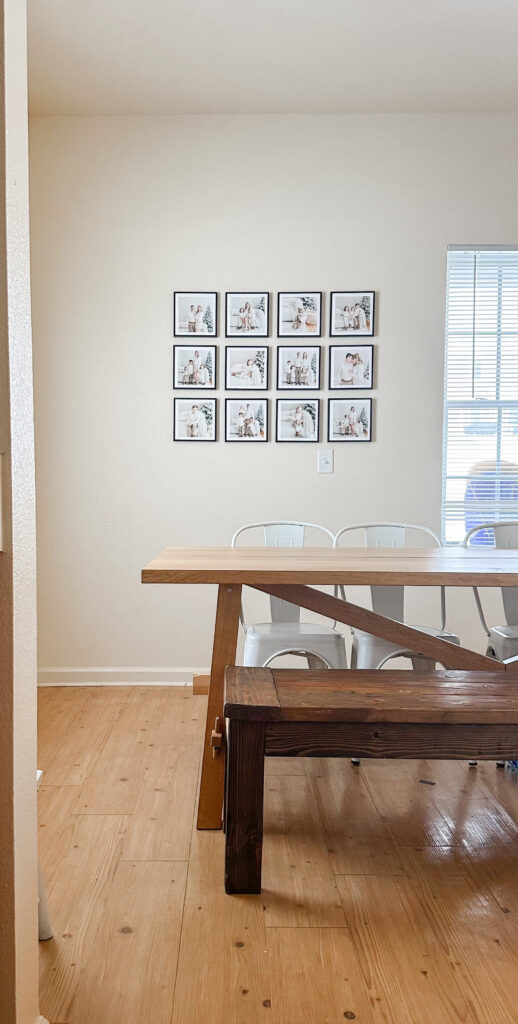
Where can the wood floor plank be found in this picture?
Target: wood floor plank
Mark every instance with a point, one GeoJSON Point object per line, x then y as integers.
{"type": "Point", "coordinates": [223, 969]}
{"type": "Point", "coordinates": [136, 918]}
{"type": "Point", "coordinates": [89, 859]}
{"type": "Point", "coordinates": [127, 754]}
{"type": "Point", "coordinates": [298, 883]}
{"type": "Point", "coordinates": [163, 814]}
{"type": "Point", "coordinates": [56, 824]}
{"type": "Point", "coordinates": [315, 977]}
{"type": "Point", "coordinates": [407, 804]}
{"type": "Point", "coordinates": [406, 975]}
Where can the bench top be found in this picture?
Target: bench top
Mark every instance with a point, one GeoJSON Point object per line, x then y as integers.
{"type": "Point", "coordinates": [329, 695]}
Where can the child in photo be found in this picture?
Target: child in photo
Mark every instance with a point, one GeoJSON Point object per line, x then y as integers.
{"type": "Point", "coordinates": [191, 320]}
{"type": "Point", "coordinates": [299, 323]}
{"type": "Point", "coordinates": [347, 318]}
{"type": "Point", "coordinates": [188, 377]}
{"type": "Point", "coordinates": [241, 422]}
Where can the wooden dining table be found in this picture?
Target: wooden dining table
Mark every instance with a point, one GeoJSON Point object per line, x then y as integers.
{"type": "Point", "coordinates": [293, 574]}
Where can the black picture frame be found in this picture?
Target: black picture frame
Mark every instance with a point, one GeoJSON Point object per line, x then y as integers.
{"type": "Point", "coordinates": [247, 440]}
{"type": "Point", "coordinates": [195, 400]}
{"type": "Point", "coordinates": [244, 386]}
{"type": "Point", "coordinates": [297, 440]}
{"type": "Point", "coordinates": [350, 387]}
{"type": "Point", "coordinates": [195, 386]}
{"type": "Point", "coordinates": [299, 388]}
{"type": "Point", "coordinates": [347, 439]}
{"type": "Point", "coordinates": [334, 333]}
{"type": "Point", "coordinates": [293, 334]}
{"type": "Point", "coordinates": [247, 335]}
{"type": "Point", "coordinates": [188, 334]}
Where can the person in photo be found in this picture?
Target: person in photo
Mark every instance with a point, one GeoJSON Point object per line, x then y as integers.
{"type": "Point", "coordinates": [304, 369]}
{"type": "Point", "coordinates": [300, 319]}
{"type": "Point", "coordinates": [302, 423]}
{"type": "Point", "coordinates": [347, 318]}
{"type": "Point", "coordinates": [202, 376]}
{"type": "Point", "coordinates": [298, 368]}
{"type": "Point", "coordinates": [197, 364]}
{"type": "Point", "coordinates": [250, 317]}
{"type": "Point", "coordinates": [359, 318]}
{"type": "Point", "coordinates": [346, 371]}
{"type": "Point", "coordinates": [188, 376]}
{"type": "Point", "coordinates": [251, 424]}
{"type": "Point", "coordinates": [240, 425]}
{"type": "Point", "coordinates": [352, 420]}
{"type": "Point", "coordinates": [358, 369]}
{"type": "Point", "coordinates": [198, 324]}
{"type": "Point", "coordinates": [253, 374]}
{"type": "Point", "coordinates": [191, 320]}
{"type": "Point", "coordinates": [196, 423]}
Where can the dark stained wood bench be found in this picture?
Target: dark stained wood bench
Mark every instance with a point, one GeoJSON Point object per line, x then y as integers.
{"type": "Point", "coordinates": [285, 713]}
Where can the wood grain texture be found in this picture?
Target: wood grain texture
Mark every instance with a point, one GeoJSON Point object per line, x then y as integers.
{"type": "Point", "coordinates": [244, 787]}
{"type": "Point", "coordinates": [425, 567]}
{"type": "Point", "coordinates": [250, 693]}
{"type": "Point", "coordinates": [443, 651]}
{"type": "Point", "coordinates": [389, 739]}
{"type": "Point", "coordinates": [210, 804]}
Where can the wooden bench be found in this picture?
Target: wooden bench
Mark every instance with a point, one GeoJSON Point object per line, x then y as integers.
{"type": "Point", "coordinates": [285, 713]}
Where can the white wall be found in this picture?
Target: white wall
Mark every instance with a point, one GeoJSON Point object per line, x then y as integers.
{"type": "Point", "coordinates": [124, 210]}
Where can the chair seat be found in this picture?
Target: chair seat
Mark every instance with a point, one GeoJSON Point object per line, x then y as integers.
{"type": "Point", "coordinates": [509, 632]}
{"type": "Point", "coordinates": [441, 634]}
{"type": "Point", "coordinates": [280, 630]}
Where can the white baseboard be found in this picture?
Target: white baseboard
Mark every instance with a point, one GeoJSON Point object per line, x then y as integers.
{"type": "Point", "coordinates": [98, 676]}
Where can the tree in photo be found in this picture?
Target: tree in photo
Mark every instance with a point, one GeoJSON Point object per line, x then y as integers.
{"type": "Point", "coordinates": [308, 302]}
{"type": "Point", "coordinates": [314, 364]}
{"type": "Point", "coordinates": [208, 411]}
{"type": "Point", "coordinates": [259, 360]}
{"type": "Point", "coordinates": [366, 306]}
{"type": "Point", "coordinates": [259, 415]}
{"type": "Point", "coordinates": [364, 421]}
{"type": "Point", "coordinates": [261, 304]}
{"type": "Point", "coordinates": [208, 364]}
{"type": "Point", "coordinates": [208, 320]}
{"type": "Point", "coordinates": [309, 407]}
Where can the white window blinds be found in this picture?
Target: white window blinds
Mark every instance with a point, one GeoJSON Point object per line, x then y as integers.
{"type": "Point", "coordinates": [480, 458]}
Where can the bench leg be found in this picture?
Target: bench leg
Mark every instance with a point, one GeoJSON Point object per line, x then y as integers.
{"type": "Point", "coordinates": [244, 806]}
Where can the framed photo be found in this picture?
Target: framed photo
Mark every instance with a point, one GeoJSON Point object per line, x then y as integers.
{"type": "Point", "coordinates": [298, 366]}
{"type": "Point", "coordinates": [246, 419]}
{"type": "Point", "coordinates": [351, 366]}
{"type": "Point", "coordinates": [195, 419]}
{"type": "Point", "coordinates": [246, 368]}
{"type": "Point", "coordinates": [194, 366]}
{"type": "Point", "coordinates": [349, 419]}
{"type": "Point", "coordinates": [195, 313]}
{"type": "Point", "coordinates": [299, 313]}
{"type": "Point", "coordinates": [247, 315]}
{"type": "Point", "coordinates": [352, 313]}
{"type": "Point", "coordinates": [298, 420]}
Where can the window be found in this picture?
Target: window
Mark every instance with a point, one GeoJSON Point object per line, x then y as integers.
{"type": "Point", "coordinates": [480, 458]}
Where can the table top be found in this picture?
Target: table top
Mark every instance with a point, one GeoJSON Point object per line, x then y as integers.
{"type": "Point", "coordinates": [288, 695]}
{"type": "Point", "coordinates": [421, 567]}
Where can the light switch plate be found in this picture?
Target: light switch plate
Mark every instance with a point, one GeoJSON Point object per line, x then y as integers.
{"type": "Point", "coordinates": [326, 458]}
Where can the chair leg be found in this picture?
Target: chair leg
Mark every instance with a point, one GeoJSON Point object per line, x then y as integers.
{"type": "Point", "coordinates": [244, 806]}
{"type": "Point", "coordinates": [44, 926]}
{"type": "Point", "coordinates": [315, 663]}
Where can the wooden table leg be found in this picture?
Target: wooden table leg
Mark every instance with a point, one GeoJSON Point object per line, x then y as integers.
{"type": "Point", "coordinates": [244, 806]}
{"type": "Point", "coordinates": [223, 653]}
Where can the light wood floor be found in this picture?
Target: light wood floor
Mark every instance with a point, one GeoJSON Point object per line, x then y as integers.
{"type": "Point", "coordinates": [386, 900]}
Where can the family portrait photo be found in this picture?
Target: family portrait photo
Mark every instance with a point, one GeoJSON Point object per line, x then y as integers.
{"type": "Point", "coordinates": [352, 313]}
{"type": "Point", "coordinates": [246, 368]}
{"type": "Point", "coordinates": [195, 313]}
{"type": "Point", "coordinates": [350, 366]}
{"type": "Point", "coordinates": [245, 420]}
{"type": "Point", "coordinates": [247, 313]}
{"type": "Point", "coordinates": [298, 367]}
{"type": "Point", "coordinates": [297, 421]}
{"type": "Point", "coordinates": [195, 420]}
{"type": "Point", "coordinates": [299, 313]}
{"type": "Point", "coordinates": [349, 421]}
{"type": "Point", "coordinates": [194, 367]}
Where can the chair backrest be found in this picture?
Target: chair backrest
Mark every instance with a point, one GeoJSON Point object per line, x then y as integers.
{"type": "Point", "coordinates": [505, 535]}
{"type": "Point", "coordinates": [283, 533]}
{"type": "Point", "coordinates": [390, 601]}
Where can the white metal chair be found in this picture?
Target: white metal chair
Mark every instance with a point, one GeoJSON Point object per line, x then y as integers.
{"type": "Point", "coordinates": [502, 640]}
{"type": "Point", "coordinates": [321, 645]}
{"type": "Point", "coordinates": [370, 651]}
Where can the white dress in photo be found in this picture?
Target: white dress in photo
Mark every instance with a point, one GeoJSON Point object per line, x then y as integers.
{"type": "Point", "coordinates": [196, 424]}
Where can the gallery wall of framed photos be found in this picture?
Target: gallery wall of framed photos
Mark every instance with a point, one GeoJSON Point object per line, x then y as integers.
{"type": "Point", "coordinates": [289, 358]}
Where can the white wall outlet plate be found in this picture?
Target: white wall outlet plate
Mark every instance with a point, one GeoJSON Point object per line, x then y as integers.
{"type": "Point", "coordinates": [326, 459]}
